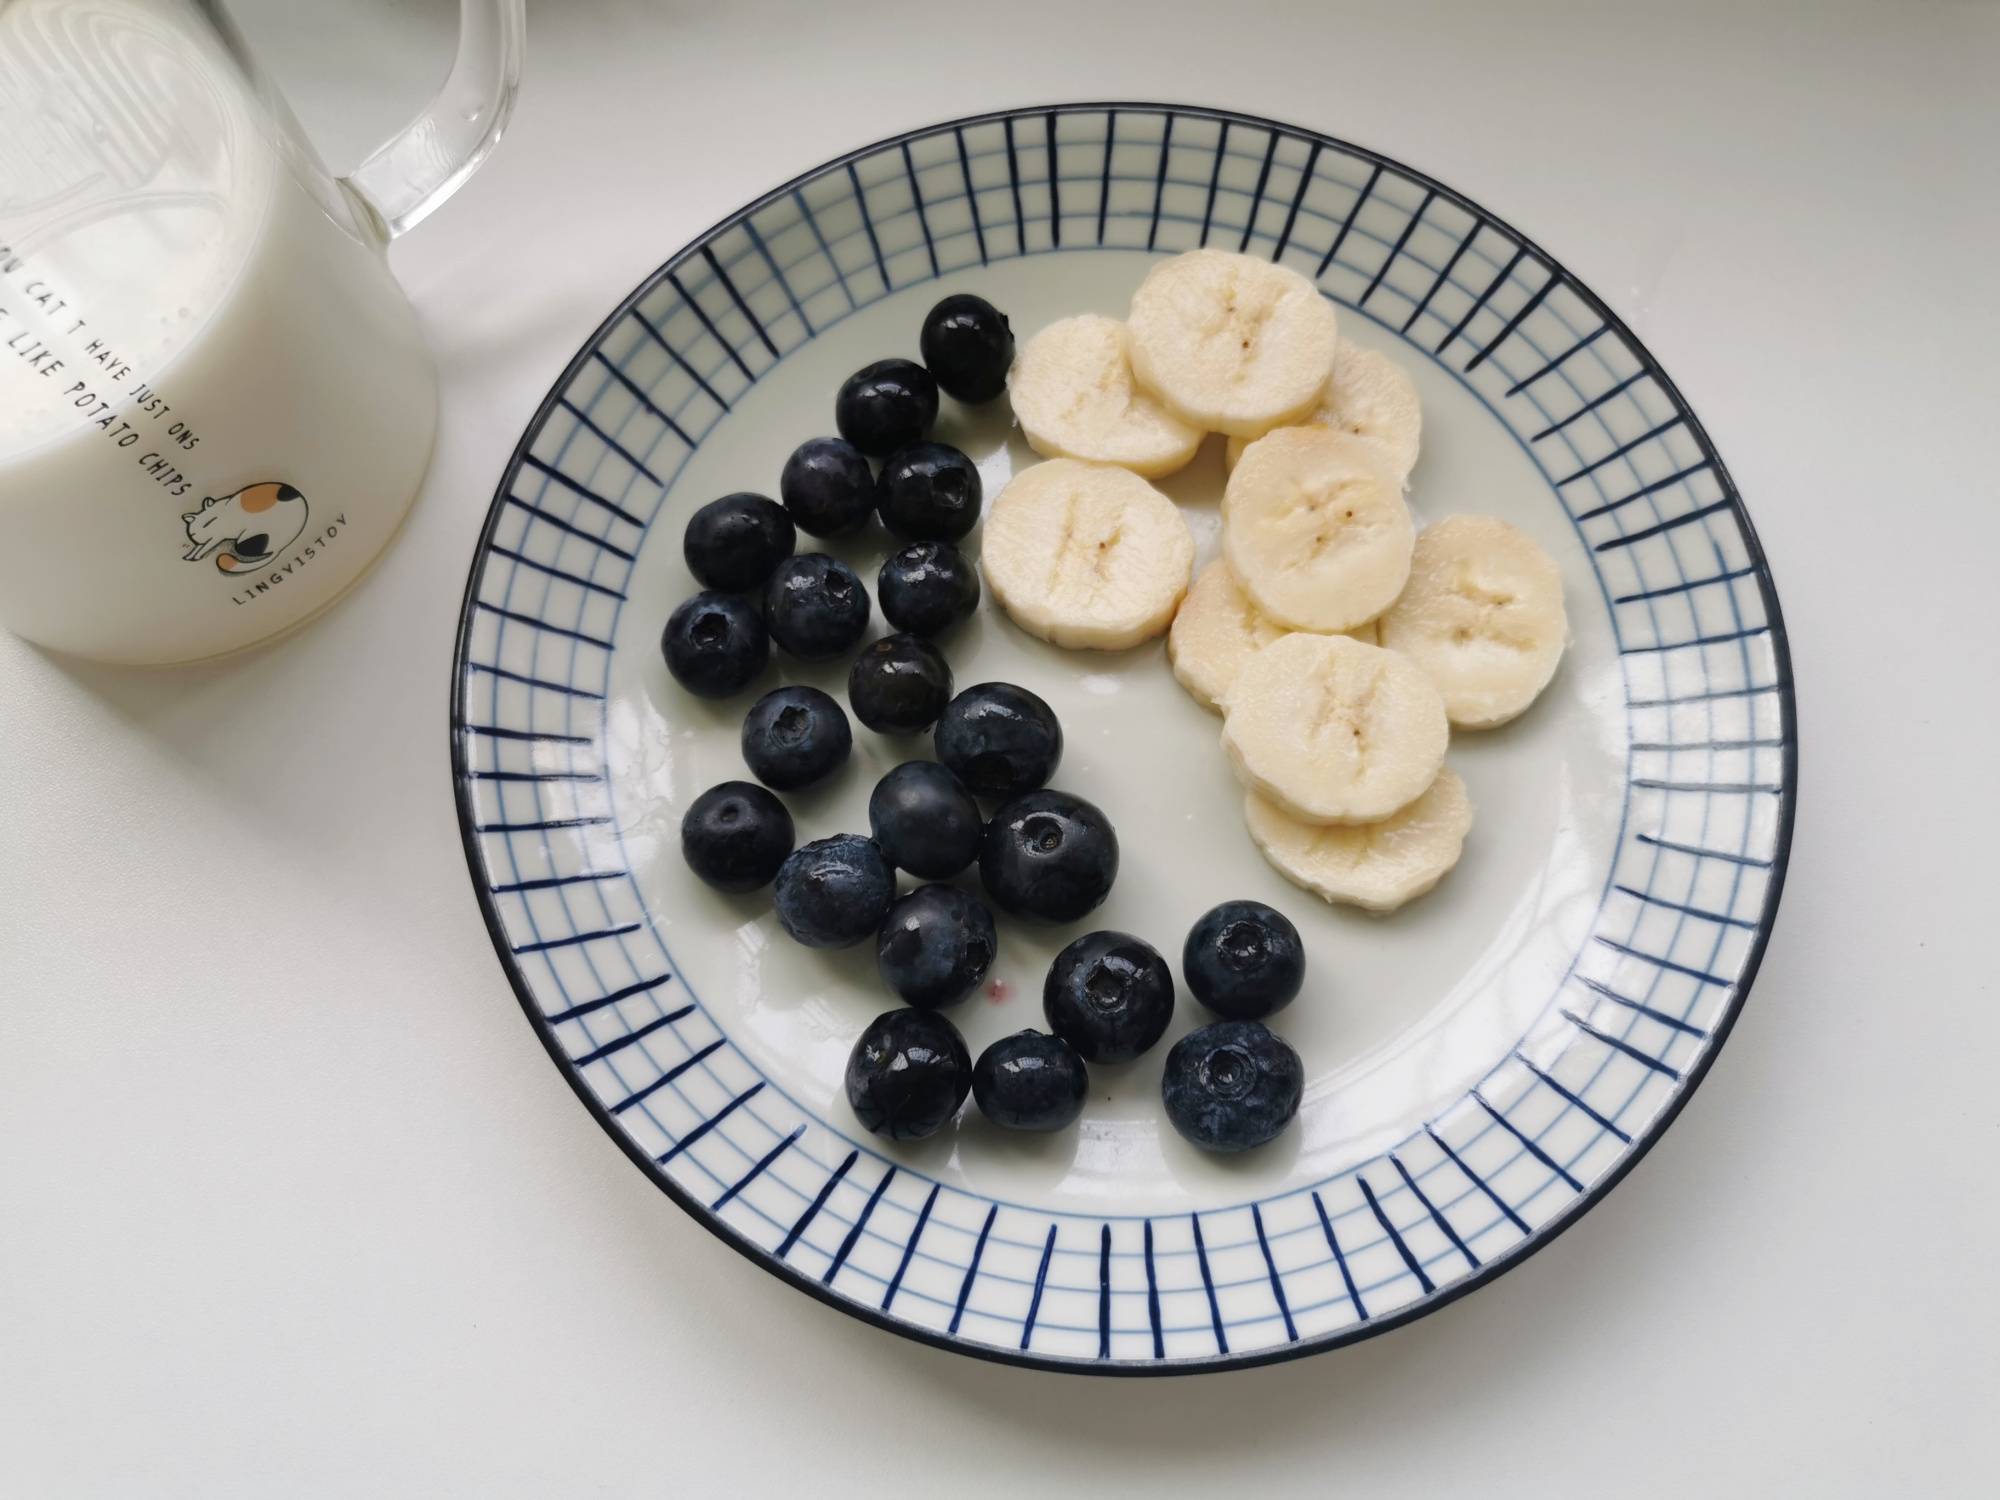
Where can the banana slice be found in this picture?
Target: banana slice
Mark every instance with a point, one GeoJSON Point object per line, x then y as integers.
{"type": "Point", "coordinates": [1071, 387]}
{"type": "Point", "coordinates": [1377, 866]}
{"type": "Point", "coordinates": [1334, 731]}
{"type": "Point", "coordinates": [1086, 555]}
{"type": "Point", "coordinates": [1231, 343]}
{"type": "Point", "coordinates": [1316, 532]}
{"type": "Point", "coordinates": [1216, 630]}
{"type": "Point", "coordinates": [1371, 397]}
{"type": "Point", "coordinates": [1482, 615]}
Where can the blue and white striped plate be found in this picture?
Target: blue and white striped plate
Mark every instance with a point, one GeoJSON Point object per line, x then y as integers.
{"type": "Point", "coordinates": [1483, 1066]}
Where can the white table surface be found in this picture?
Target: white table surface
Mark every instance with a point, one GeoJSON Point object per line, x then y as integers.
{"type": "Point", "coordinates": [292, 1203]}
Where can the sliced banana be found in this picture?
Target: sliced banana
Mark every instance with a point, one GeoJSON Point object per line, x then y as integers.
{"type": "Point", "coordinates": [1231, 343]}
{"type": "Point", "coordinates": [1086, 555]}
{"type": "Point", "coordinates": [1378, 866]}
{"type": "Point", "coordinates": [1370, 396]}
{"type": "Point", "coordinates": [1316, 532]}
{"type": "Point", "coordinates": [1072, 391]}
{"type": "Point", "coordinates": [1482, 615]}
{"type": "Point", "coordinates": [1216, 630]}
{"type": "Point", "coordinates": [1334, 731]}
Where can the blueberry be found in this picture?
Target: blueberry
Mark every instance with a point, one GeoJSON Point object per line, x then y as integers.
{"type": "Point", "coordinates": [794, 736]}
{"type": "Point", "coordinates": [734, 836]}
{"type": "Point", "coordinates": [899, 684]}
{"type": "Point", "coordinates": [925, 820]}
{"type": "Point", "coordinates": [816, 606]}
{"type": "Point", "coordinates": [935, 946]}
{"type": "Point", "coordinates": [927, 588]}
{"type": "Point", "coordinates": [1109, 995]}
{"type": "Point", "coordinates": [1001, 739]}
{"type": "Point", "coordinates": [1232, 1085]}
{"type": "Point", "coordinates": [1030, 1081]}
{"type": "Point", "coordinates": [827, 487]}
{"type": "Point", "coordinates": [714, 644]}
{"type": "Point", "coordinates": [1048, 855]}
{"type": "Point", "coordinates": [908, 1074]}
{"type": "Point", "coordinates": [1243, 960]}
{"type": "Point", "coordinates": [885, 406]}
{"type": "Point", "coordinates": [834, 892]}
{"type": "Point", "coordinates": [968, 346]}
{"type": "Point", "coordinates": [734, 543]}
{"type": "Point", "coordinates": [929, 492]}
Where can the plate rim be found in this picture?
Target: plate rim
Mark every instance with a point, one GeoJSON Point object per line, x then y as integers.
{"type": "Point", "coordinates": [1544, 1234]}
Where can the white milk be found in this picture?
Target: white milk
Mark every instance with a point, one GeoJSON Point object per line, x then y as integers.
{"type": "Point", "coordinates": [190, 312]}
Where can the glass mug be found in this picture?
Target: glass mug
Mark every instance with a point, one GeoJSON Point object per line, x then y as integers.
{"type": "Point", "coordinates": [215, 405]}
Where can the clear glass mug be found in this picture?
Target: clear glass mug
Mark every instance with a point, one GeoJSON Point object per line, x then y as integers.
{"type": "Point", "coordinates": [215, 405]}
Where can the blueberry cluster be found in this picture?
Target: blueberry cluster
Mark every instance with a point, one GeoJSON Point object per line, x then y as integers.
{"type": "Point", "coordinates": [758, 590]}
{"type": "Point", "coordinates": [1041, 854]}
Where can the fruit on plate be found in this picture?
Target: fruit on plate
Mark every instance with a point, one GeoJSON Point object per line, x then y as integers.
{"type": "Point", "coordinates": [734, 543]}
{"type": "Point", "coordinates": [714, 644]}
{"type": "Point", "coordinates": [1315, 530]}
{"type": "Point", "coordinates": [928, 492]}
{"type": "Point", "coordinates": [1371, 397]}
{"type": "Point", "coordinates": [1231, 343]}
{"type": "Point", "coordinates": [899, 684]}
{"type": "Point", "coordinates": [1030, 1081]}
{"type": "Point", "coordinates": [935, 946]}
{"type": "Point", "coordinates": [1086, 555]}
{"type": "Point", "coordinates": [1109, 995]}
{"type": "Point", "coordinates": [1376, 866]}
{"type": "Point", "coordinates": [815, 606]}
{"type": "Point", "coordinates": [885, 406]}
{"type": "Point", "coordinates": [1334, 731]}
{"type": "Point", "coordinates": [1482, 615]}
{"type": "Point", "coordinates": [1232, 1085]}
{"type": "Point", "coordinates": [794, 736]}
{"type": "Point", "coordinates": [999, 739]}
{"type": "Point", "coordinates": [925, 820]}
{"type": "Point", "coordinates": [827, 487]}
{"type": "Point", "coordinates": [834, 892]}
{"type": "Point", "coordinates": [735, 836]}
{"type": "Point", "coordinates": [1048, 855]}
{"type": "Point", "coordinates": [909, 1072]}
{"type": "Point", "coordinates": [1073, 394]}
{"type": "Point", "coordinates": [927, 588]}
{"type": "Point", "coordinates": [967, 346]}
{"type": "Point", "coordinates": [1244, 960]}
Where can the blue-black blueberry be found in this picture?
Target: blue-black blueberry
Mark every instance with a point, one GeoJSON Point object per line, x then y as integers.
{"type": "Point", "coordinates": [734, 543]}
{"type": "Point", "coordinates": [1001, 739]}
{"type": "Point", "coordinates": [935, 946]}
{"type": "Point", "coordinates": [925, 820]}
{"type": "Point", "coordinates": [815, 606]}
{"type": "Point", "coordinates": [735, 836]}
{"type": "Point", "coordinates": [1048, 855]}
{"type": "Point", "coordinates": [715, 644]}
{"type": "Point", "coordinates": [794, 736]}
{"type": "Point", "coordinates": [1232, 1085]}
{"type": "Point", "coordinates": [908, 1074]}
{"type": "Point", "coordinates": [1244, 960]}
{"type": "Point", "coordinates": [834, 892]}
{"type": "Point", "coordinates": [1109, 995]}
{"type": "Point", "coordinates": [1030, 1081]}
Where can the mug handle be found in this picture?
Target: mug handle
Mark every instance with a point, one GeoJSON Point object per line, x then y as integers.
{"type": "Point", "coordinates": [429, 159]}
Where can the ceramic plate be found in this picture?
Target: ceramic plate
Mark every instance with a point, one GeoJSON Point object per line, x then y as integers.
{"type": "Point", "coordinates": [1483, 1066]}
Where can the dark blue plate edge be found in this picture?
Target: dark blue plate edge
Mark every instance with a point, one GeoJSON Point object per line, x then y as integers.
{"type": "Point", "coordinates": [1543, 1236]}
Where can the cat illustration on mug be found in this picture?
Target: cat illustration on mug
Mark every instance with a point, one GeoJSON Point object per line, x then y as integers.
{"type": "Point", "coordinates": [245, 528]}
